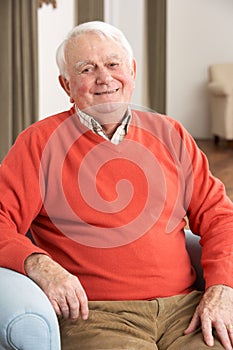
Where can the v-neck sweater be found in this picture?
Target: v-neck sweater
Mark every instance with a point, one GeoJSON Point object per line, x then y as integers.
{"type": "Point", "coordinates": [114, 215]}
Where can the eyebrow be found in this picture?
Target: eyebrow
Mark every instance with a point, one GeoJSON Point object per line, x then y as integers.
{"type": "Point", "coordinates": [83, 63]}
{"type": "Point", "coordinates": [86, 62]}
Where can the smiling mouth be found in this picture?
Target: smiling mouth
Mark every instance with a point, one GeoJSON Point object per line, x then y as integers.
{"type": "Point", "coordinates": [106, 92]}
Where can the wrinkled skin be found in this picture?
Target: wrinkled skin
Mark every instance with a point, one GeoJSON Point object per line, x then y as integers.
{"type": "Point", "coordinates": [64, 290]}
{"type": "Point", "coordinates": [215, 310]}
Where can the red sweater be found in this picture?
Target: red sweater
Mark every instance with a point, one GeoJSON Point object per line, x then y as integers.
{"type": "Point", "coordinates": [113, 215]}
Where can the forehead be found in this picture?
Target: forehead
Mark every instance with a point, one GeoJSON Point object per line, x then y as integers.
{"type": "Point", "coordinates": [90, 46]}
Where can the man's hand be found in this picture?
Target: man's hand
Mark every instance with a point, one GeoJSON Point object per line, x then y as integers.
{"type": "Point", "coordinates": [215, 311]}
{"type": "Point", "coordinates": [64, 290]}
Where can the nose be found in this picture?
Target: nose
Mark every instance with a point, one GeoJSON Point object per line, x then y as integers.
{"type": "Point", "coordinates": [103, 76]}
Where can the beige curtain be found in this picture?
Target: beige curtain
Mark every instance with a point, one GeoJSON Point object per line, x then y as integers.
{"type": "Point", "coordinates": [19, 69]}
{"type": "Point", "coordinates": [89, 10]}
{"type": "Point", "coordinates": [156, 41]}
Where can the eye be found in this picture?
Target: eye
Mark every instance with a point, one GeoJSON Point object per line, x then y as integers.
{"type": "Point", "coordinates": [87, 69]}
{"type": "Point", "coordinates": [113, 64]}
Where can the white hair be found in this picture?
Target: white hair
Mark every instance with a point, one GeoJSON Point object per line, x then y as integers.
{"type": "Point", "coordinates": [99, 28]}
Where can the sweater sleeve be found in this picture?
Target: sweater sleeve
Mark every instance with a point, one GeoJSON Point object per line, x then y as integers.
{"type": "Point", "coordinates": [210, 214]}
{"type": "Point", "coordinates": [20, 200]}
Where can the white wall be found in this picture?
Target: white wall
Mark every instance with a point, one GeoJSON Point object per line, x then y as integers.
{"type": "Point", "coordinates": [199, 33]}
{"type": "Point", "coordinates": [53, 25]}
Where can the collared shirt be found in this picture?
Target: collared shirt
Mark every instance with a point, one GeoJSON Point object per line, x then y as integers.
{"type": "Point", "coordinates": [96, 127]}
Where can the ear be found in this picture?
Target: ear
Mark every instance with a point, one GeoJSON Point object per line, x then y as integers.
{"type": "Point", "coordinates": [134, 68]}
{"type": "Point", "coordinates": [66, 86]}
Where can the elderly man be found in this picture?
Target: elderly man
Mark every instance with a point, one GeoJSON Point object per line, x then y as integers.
{"type": "Point", "coordinates": [105, 190]}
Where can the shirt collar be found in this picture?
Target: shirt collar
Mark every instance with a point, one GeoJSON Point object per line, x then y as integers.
{"type": "Point", "coordinates": [96, 127]}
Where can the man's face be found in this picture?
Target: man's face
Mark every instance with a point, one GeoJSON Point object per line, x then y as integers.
{"type": "Point", "coordinates": [99, 72]}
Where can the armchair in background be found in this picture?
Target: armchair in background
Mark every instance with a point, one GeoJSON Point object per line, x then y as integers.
{"type": "Point", "coordinates": [27, 319]}
{"type": "Point", "coordinates": [220, 89]}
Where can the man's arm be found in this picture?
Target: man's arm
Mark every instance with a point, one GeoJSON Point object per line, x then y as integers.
{"type": "Point", "coordinates": [64, 290]}
{"type": "Point", "coordinates": [210, 213]}
{"type": "Point", "coordinates": [215, 310]}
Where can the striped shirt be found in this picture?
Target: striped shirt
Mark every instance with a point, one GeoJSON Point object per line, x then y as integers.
{"type": "Point", "coordinates": [96, 127]}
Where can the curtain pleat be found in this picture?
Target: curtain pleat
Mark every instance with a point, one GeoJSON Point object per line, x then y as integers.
{"type": "Point", "coordinates": [156, 38]}
{"type": "Point", "coordinates": [19, 69]}
{"type": "Point", "coordinates": [89, 10]}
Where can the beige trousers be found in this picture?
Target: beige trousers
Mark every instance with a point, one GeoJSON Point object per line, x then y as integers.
{"type": "Point", "coordinates": [136, 325]}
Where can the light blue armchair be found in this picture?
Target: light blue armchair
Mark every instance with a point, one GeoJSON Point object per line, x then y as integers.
{"type": "Point", "coordinates": [27, 319]}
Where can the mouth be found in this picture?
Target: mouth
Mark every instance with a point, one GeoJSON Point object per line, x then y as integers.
{"type": "Point", "coordinates": [106, 92]}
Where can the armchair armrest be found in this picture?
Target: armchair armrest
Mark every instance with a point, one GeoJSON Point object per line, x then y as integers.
{"type": "Point", "coordinates": [218, 89]}
{"type": "Point", "coordinates": [27, 319]}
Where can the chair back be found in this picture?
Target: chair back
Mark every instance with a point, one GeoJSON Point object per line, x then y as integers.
{"type": "Point", "coordinates": [222, 72]}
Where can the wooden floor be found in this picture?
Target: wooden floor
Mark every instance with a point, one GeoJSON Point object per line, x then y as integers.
{"type": "Point", "coordinates": [221, 162]}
